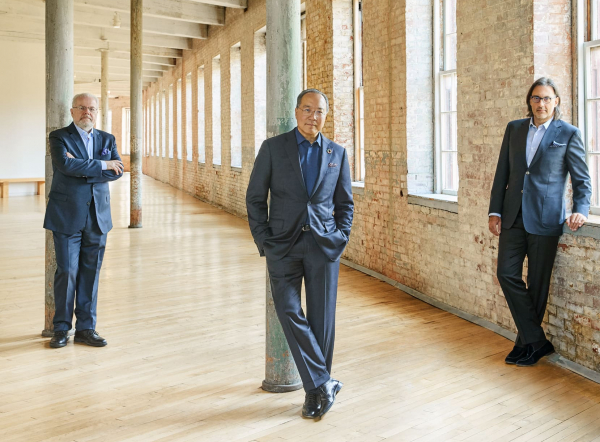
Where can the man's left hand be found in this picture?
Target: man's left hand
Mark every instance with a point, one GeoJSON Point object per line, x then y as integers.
{"type": "Point", "coordinates": [575, 221]}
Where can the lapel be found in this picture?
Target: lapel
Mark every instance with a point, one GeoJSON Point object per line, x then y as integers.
{"type": "Point", "coordinates": [78, 141]}
{"type": "Point", "coordinates": [324, 163]}
{"type": "Point", "coordinates": [97, 147]}
{"type": "Point", "coordinates": [291, 147]}
{"type": "Point", "coordinates": [551, 133]}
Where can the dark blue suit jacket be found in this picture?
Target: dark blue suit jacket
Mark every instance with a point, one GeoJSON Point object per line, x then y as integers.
{"type": "Point", "coordinates": [77, 180]}
{"type": "Point", "coordinates": [540, 188]}
{"type": "Point", "coordinates": [276, 227]}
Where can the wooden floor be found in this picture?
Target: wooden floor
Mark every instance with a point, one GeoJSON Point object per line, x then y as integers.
{"type": "Point", "coordinates": [182, 306]}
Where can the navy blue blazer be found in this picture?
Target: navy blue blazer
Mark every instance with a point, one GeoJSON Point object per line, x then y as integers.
{"type": "Point", "coordinates": [77, 180]}
{"type": "Point", "coordinates": [276, 226]}
{"type": "Point", "coordinates": [540, 188]}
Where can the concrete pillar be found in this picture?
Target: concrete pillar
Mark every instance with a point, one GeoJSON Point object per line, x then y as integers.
{"type": "Point", "coordinates": [137, 113]}
{"type": "Point", "coordinates": [284, 70]}
{"type": "Point", "coordinates": [104, 88]}
{"type": "Point", "coordinates": [59, 93]}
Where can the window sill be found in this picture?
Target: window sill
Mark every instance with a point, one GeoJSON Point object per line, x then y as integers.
{"type": "Point", "coordinates": [449, 203]}
{"type": "Point", "coordinates": [358, 187]}
{"type": "Point", "coordinates": [236, 169]}
{"type": "Point", "coordinates": [216, 166]}
{"type": "Point", "coordinates": [590, 229]}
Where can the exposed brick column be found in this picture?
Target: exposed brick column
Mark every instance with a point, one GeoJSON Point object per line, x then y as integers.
{"type": "Point", "coordinates": [330, 50]}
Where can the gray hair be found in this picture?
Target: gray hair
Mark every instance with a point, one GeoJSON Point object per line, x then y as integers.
{"type": "Point", "coordinates": [84, 95]}
{"type": "Point", "coordinates": [312, 91]}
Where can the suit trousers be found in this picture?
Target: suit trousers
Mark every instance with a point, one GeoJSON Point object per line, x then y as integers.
{"type": "Point", "coordinates": [79, 258]}
{"type": "Point", "coordinates": [527, 302]}
{"type": "Point", "coordinates": [309, 337]}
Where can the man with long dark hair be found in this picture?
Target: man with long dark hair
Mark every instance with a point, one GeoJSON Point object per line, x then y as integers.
{"type": "Point", "coordinates": [527, 211]}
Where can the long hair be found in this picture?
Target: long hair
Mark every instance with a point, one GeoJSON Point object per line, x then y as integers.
{"type": "Point", "coordinates": [543, 81]}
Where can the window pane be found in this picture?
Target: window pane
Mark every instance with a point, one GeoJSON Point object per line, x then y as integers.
{"type": "Point", "coordinates": [450, 18]}
{"type": "Point", "coordinates": [593, 126]}
{"type": "Point", "coordinates": [449, 132]}
{"type": "Point", "coordinates": [448, 91]}
{"type": "Point", "coordinates": [593, 73]}
{"type": "Point", "coordinates": [450, 171]}
{"type": "Point", "coordinates": [188, 116]}
{"type": "Point", "coordinates": [595, 19]}
{"type": "Point", "coordinates": [594, 166]}
{"type": "Point", "coordinates": [450, 44]}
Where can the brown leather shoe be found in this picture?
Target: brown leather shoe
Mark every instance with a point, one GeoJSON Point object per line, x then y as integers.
{"type": "Point", "coordinates": [90, 337]}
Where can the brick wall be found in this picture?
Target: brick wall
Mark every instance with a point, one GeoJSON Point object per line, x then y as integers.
{"type": "Point", "coordinates": [502, 47]}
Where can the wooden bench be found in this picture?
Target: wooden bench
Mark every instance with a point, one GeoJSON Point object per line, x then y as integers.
{"type": "Point", "coordinates": [4, 184]}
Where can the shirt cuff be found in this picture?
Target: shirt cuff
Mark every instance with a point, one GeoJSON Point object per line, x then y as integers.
{"type": "Point", "coordinates": [495, 214]}
{"type": "Point", "coordinates": [103, 165]}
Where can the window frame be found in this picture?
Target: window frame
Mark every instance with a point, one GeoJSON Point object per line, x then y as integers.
{"type": "Point", "coordinates": [585, 30]}
{"type": "Point", "coordinates": [359, 93]}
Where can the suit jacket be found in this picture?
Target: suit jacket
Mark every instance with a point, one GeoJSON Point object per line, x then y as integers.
{"type": "Point", "coordinates": [77, 180]}
{"type": "Point", "coordinates": [329, 209]}
{"type": "Point", "coordinates": [540, 188]}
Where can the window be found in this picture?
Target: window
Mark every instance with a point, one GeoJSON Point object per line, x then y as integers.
{"type": "Point", "coordinates": [589, 116]}
{"type": "Point", "coordinates": [179, 123]}
{"type": "Point", "coordinates": [260, 88]}
{"type": "Point", "coordinates": [125, 131]}
{"type": "Point", "coordinates": [216, 109]}
{"type": "Point", "coordinates": [170, 99]}
{"type": "Point", "coordinates": [359, 97]}
{"type": "Point", "coordinates": [235, 104]}
{"type": "Point", "coordinates": [201, 120]}
{"type": "Point", "coordinates": [163, 124]}
{"type": "Point", "coordinates": [188, 116]}
{"type": "Point", "coordinates": [303, 39]}
{"type": "Point", "coordinates": [151, 126]}
{"type": "Point", "coordinates": [157, 126]}
{"type": "Point", "coordinates": [446, 86]}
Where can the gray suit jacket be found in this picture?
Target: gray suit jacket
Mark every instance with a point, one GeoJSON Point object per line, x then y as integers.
{"type": "Point", "coordinates": [540, 188]}
{"type": "Point", "coordinates": [329, 209]}
{"type": "Point", "coordinates": [77, 180]}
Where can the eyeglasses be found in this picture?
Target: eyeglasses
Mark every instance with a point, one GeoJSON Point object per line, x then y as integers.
{"type": "Point", "coordinates": [308, 112]}
{"type": "Point", "coordinates": [537, 99]}
{"type": "Point", "coordinates": [92, 109]}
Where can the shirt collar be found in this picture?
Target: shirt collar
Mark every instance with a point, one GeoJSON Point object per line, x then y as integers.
{"type": "Point", "coordinates": [546, 124]}
{"type": "Point", "coordinates": [83, 133]}
{"type": "Point", "coordinates": [300, 138]}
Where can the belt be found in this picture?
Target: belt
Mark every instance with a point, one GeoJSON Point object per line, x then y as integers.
{"type": "Point", "coordinates": [306, 227]}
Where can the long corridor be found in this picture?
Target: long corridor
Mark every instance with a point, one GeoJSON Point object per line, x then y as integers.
{"type": "Point", "coordinates": [182, 305]}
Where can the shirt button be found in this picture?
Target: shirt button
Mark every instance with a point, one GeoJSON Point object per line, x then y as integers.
{"type": "Point", "coordinates": [309, 203]}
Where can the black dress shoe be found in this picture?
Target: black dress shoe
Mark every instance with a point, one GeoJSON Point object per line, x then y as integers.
{"type": "Point", "coordinates": [60, 339]}
{"type": "Point", "coordinates": [312, 405]}
{"type": "Point", "coordinates": [533, 356]}
{"type": "Point", "coordinates": [90, 337]}
{"type": "Point", "coordinates": [516, 354]}
{"type": "Point", "coordinates": [328, 391]}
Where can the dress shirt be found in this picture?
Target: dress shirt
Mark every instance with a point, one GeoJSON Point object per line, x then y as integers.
{"type": "Point", "coordinates": [88, 142]}
{"type": "Point", "coordinates": [534, 138]}
{"type": "Point", "coordinates": [312, 175]}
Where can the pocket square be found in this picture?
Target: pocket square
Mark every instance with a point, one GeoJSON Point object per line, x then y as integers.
{"type": "Point", "coordinates": [104, 151]}
{"type": "Point", "coordinates": [332, 165]}
{"type": "Point", "coordinates": [555, 144]}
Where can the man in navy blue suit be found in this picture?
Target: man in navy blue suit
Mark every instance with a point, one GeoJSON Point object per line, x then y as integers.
{"type": "Point", "coordinates": [527, 211]}
{"type": "Point", "coordinates": [84, 160]}
{"type": "Point", "coordinates": [303, 236]}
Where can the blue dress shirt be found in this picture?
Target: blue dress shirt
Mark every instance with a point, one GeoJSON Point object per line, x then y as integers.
{"type": "Point", "coordinates": [88, 142]}
{"type": "Point", "coordinates": [310, 160]}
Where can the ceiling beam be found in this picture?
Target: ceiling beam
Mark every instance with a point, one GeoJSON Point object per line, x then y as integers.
{"type": "Point", "coordinates": [123, 36]}
{"type": "Point", "coordinates": [243, 4]}
{"type": "Point", "coordinates": [88, 68]}
{"type": "Point", "coordinates": [172, 9]}
{"type": "Point", "coordinates": [163, 61]}
{"type": "Point", "coordinates": [124, 47]}
{"type": "Point", "coordinates": [104, 19]}
{"type": "Point", "coordinates": [96, 62]}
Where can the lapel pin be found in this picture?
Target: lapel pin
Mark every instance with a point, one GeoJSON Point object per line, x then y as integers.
{"type": "Point", "coordinates": [329, 150]}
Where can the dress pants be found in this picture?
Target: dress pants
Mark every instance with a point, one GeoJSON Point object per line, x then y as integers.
{"type": "Point", "coordinates": [527, 302]}
{"type": "Point", "coordinates": [309, 337]}
{"type": "Point", "coordinates": [78, 258]}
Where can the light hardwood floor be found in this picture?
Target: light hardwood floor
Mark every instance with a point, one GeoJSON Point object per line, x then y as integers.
{"type": "Point", "coordinates": [182, 306]}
